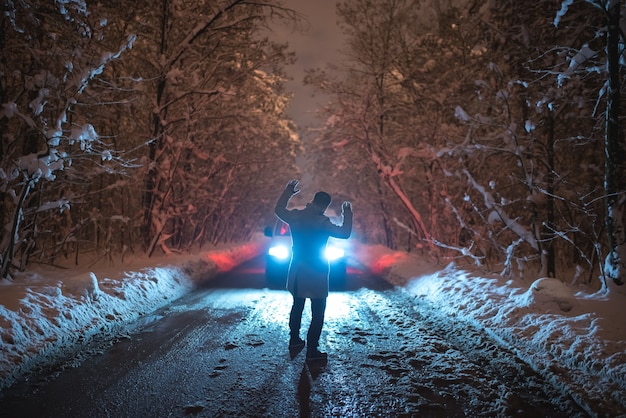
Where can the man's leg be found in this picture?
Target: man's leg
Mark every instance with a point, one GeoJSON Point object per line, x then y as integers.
{"type": "Point", "coordinates": [295, 319]}
{"type": "Point", "coordinates": [318, 307]}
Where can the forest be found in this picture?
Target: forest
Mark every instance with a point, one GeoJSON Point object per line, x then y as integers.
{"type": "Point", "coordinates": [485, 132]}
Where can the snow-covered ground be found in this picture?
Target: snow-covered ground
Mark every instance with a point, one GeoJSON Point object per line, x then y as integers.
{"type": "Point", "coordinates": [574, 338]}
{"type": "Point", "coordinates": [47, 311]}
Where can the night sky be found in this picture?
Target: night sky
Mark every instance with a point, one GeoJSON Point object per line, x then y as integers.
{"type": "Point", "coordinates": [316, 47]}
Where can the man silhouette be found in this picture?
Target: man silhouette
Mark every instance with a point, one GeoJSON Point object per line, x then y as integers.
{"type": "Point", "coordinates": [309, 269]}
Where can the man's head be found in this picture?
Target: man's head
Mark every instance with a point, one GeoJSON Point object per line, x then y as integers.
{"type": "Point", "coordinates": [321, 200]}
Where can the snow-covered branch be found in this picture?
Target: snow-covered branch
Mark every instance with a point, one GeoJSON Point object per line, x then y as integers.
{"type": "Point", "coordinates": [498, 213]}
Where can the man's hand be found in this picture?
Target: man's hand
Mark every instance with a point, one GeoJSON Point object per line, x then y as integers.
{"type": "Point", "coordinates": [292, 187]}
{"type": "Point", "coordinates": [346, 207]}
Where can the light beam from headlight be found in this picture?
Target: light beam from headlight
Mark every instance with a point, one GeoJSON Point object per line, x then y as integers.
{"type": "Point", "coordinates": [279, 251]}
{"type": "Point", "coordinates": [333, 253]}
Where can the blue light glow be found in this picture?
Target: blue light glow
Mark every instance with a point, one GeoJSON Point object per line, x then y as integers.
{"type": "Point", "coordinates": [334, 253]}
{"type": "Point", "coordinates": [282, 252]}
{"type": "Point", "coordinates": [279, 251]}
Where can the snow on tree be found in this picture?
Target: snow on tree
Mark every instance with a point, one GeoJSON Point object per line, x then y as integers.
{"type": "Point", "coordinates": [341, 161]}
{"type": "Point", "coordinates": [208, 108]}
{"type": "Point", "coordinates": [501, 164]}
{"type": "Point", "coordinates": [50, 53]}
{"type": "Point", "coordinates": [528, 153]}
{"type": "Point", "coordinates": [588, 60]}
{"type": "Point", "coordinates": [374, 116]}
{"type": "Point", "coordinates": [181, 140]}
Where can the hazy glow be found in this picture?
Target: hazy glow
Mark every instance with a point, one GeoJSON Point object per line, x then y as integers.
{"type": "Point", "coordinates": [224, 262]}
{"type": "Point", "coordinates": [338, 305]}
{"type": "Point", "coordinates": [334, 253]}
{"type": "Point", "coordinates": [279, 251]}
{"type": "Point", "coordinates": [282, 252]}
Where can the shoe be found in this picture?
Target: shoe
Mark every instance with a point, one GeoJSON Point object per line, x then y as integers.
{"type": "Point", "coordinates": [315, 355]}
{"type": "Point", "coordinates": [296, 343]}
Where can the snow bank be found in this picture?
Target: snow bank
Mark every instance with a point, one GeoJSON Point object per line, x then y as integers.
{"type": "Point", "coordinates": [42, 314]}
{"type": "Point", "coordinates": [575, 339]}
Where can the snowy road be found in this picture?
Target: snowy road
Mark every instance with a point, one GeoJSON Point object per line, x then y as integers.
{"type": "Point", "coordinates": [222, 351]}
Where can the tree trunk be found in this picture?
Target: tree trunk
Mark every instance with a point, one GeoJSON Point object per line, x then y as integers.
{"type": "Point", "coordinates": [385, 214]}
{"type": "Point", "coordinates": [415, 215]}
{"type": "Point", "coordinates": [549, 227]}
{"type": "Point", "coordinates": [4, 140]}
{"type": "Point", "coordinates": [8, 242]}
{"type": "Point", "coordinates": [615, 168]}
{"type": "Point", "coordinates": [150, 193]}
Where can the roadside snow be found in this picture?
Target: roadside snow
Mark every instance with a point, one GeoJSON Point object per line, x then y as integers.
{"type": "Point", "coordinates": [44, 312]}
{"type": "Point", "coordinates": [574, 338]}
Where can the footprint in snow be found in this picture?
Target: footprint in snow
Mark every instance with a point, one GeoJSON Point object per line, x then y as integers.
{"type": "Point", "coordinates": [193, 409]}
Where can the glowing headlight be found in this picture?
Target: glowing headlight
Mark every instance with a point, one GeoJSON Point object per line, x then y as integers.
{"type": "Point", "coordinates": [333, 253]}
{"type": "Point", "coordinates": [279, 251]}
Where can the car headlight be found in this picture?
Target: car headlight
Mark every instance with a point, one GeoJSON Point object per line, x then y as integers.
{"type": "Point", "coordinates": [334, 253]}
{"type": "Point", "coordinates": [279, 251]}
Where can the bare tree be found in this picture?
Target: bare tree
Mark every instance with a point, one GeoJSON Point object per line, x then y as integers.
{"type": "Point", "coordinates": [463, 115]}
{"type": "Point", "coordinates": [373, 116]}
{"type": "Point", "coordinates": [615, 166]}
{"type": "Point", "coordinates": [585, 61]}
{"type": "Point", "coordinates": [207, 91]}
{"type": "Point", "coordinates": [45, 136]}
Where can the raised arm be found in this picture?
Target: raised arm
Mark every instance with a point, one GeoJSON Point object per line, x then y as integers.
{"type": "Point", "coordinates": [281, 205]}
{"type": "Point", "coordinates": [344, 230]}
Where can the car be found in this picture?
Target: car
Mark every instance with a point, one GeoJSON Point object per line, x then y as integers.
{"type": "Point", "coordinates": [278, 256]}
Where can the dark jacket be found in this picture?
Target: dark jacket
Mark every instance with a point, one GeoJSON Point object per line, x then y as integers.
{"type": "Point", "coordinates": [310, 229]}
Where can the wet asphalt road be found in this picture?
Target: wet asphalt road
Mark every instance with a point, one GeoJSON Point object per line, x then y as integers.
{"type": "Point", "coordinates": [222, 351]}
